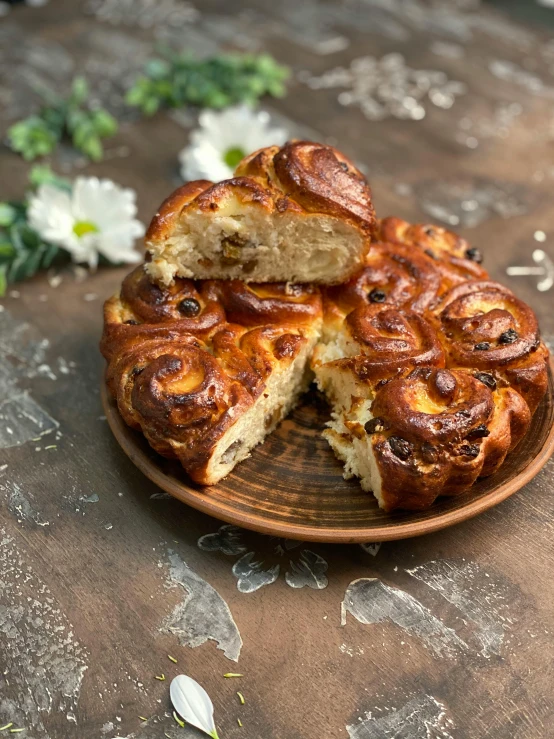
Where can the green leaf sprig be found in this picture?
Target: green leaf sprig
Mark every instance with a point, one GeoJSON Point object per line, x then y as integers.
{"type": "Point", "coordinates": [23, 252]}
{"type": "Point", "coordinates": [73, 117]}
{"type": "Point", "coordinates": [217, 82]}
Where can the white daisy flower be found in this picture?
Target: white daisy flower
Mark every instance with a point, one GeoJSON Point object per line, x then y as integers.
{"type": "Point", "coordinates": [97, 217]}
{"type": "Point", "coordinates": [223, 139]}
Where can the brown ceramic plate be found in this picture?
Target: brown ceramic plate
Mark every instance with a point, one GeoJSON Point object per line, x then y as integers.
{"type": "Point", "coordinates": [292, 485]}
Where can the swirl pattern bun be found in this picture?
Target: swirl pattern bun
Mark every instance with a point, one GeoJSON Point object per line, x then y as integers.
{"type": "Point", "coordinates": [484, 326]}
{"type": "Point", "coordinates": [207, 370]}
{"type": "Point", "coordinates": [432, 370]}
{"type": "Point", "coordinates": [300, 213]}
{"type": "Point", "coordinates": [455, 259]}
{"type": "Point", "coordinates": [434, 432]}
{"type": "Point", "coordinates": [376, 345]}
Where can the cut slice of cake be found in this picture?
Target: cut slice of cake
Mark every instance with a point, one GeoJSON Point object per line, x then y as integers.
{"type": "Point", "coordinates": [432, 378]}
{"type": "Point", "coordinates": [300, 213]}
{"type": "Point", "coordinates": [207, 370]}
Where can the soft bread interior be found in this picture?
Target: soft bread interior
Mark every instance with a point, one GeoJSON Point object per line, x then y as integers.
{"type": "Point", "coordinates": [283, 389]}
{"type": "Point", "coordinates": [351, 401]}
{"type": "Point", "coordinates": [351, 444]}
{"type": "Point", "coordinates": [244, 241]}
{"type": "Point", "coordinates": [338, 384]}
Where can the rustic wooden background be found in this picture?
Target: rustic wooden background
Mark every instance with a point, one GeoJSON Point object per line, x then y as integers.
{"type": "Point", "coordinates": [101, 575]}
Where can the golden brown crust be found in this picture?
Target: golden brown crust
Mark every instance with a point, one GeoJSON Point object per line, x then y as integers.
{"type": "Point", "coordinates": [301, 177]}
{"type": "Point", "coordinates": [393, 276]}
{"type": "Point", "coordinates": [455, 259]}
{"type": "Point", "coordinates": [422, 302]}
{"type": "Point", "coordinates": [184, 362]}
{"type": "Point", "coordinates": [251, 304]}
{"type": "Point", "coordinates": [423, 453]}
{"type": "Point", "coordinates": [482, 325]}
{"type": "Point", "coordinates": [453, 360]}
{"type": "Point", "coordinates": [169, 210]}
{"type": "Point", "coordinates": [391, 343]}
{"type": "Point", "coordinates": [322, 180]}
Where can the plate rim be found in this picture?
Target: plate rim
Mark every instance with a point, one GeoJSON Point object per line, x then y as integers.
{"type": "Point", "coordinates": [336, 535]}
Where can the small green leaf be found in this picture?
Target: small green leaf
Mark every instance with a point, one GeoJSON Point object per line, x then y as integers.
{"type": "Point", "coordinates": [3, 281]}
{"type": "Point", "coordinates": [41, 174]}
{"type": "Point", "coordinates": [6, 251]}
{"type": "Point", "coordinates": [157, 68]}
{"type": "Point", "coordinates": [8, 214]}
{"type": "Point", "coordinates": [104, 123]}
{"type": "Point", "coordinates": [79, 91]}
{"type": "Point", "coordinates": [32, 138]}
{"type": "Point", "coordinates": [150, 106]}
{"type": "Point", "coordinates": [91, 147]}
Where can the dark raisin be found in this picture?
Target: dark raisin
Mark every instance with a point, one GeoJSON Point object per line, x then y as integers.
{"type": "Point", "coordinates": [479, 432]}
{"type": "Point", "coordinates": [445, 383]}
{"type": "Point", "coordinates": [482, 346]}
{"type": "Point", "coordinates": [429, 231]}
{"type": "Point", "coordinates": [249, 266]}
{"type": "Point", "coordinates": [401, 448]}
{"type": "Point", "coordinates": [486, 379]}
{"type": "Point", "coordinates": [474, 254]}
{"type": "Point", "coordinates": [155, 295]}
{"type": "Point", "coordinates": [463, 413]}
{"type": "Point", "coordinates": [508, 337]}
{"type": "Point", "coordinates": [430, 253]}
{"type": "Point", "coordinates": [189, 307]}
{"type": "Point", "coordinates": [132, 322]}
{"type": "Point", "coordinates": [136, 371]}
{"type": "Point", "coordinates": [470, 450]}
{"type": "Point", "coordinates": [377, 296]}
{"type": "Point", "coordinates": [375, 426]}
{"type": "Point", "coordinates": [343, 166]}
{"type": "Point", "coordinates": [429, 453]}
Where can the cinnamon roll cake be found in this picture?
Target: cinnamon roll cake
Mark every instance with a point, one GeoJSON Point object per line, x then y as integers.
{"type": "Point", "coordinates": [300, 213]}
{"type": "Point", "coordinates": [432, 370]}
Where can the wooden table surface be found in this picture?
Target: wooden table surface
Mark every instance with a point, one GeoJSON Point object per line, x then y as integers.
{"type": "Point", "coordinates": [102, 576]}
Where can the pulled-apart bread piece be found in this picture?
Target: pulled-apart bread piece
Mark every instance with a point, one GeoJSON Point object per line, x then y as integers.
{"type": "Point", "coordinates": [429, 434]}
{"type": "Point", "coordinates": [432, 371]}
{"type": "Point", "coordinates": [299, 213]}
{"type": "Point", "coordinates": [205, 369]}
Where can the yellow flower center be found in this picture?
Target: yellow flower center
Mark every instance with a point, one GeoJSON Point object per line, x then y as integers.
{"type": "Point", "coordinates": [233, 156]}
{"type": "Point", "coordinates": [84, 227]}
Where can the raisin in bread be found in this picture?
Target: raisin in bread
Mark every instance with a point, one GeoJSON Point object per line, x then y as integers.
{"type": "Point", "coordinates": [300, 213]}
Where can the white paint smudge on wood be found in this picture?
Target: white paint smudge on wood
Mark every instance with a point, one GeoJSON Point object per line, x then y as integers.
{"type": "Point", "coordinates": [203, 614]}
{"type": "Point", "coordinates": [42, 661]}
{"type": "Point", "coordinates": [371, 548]}
{"type": "Point", "coordinates": [21, 417]}
{"type": "Point", "coordinates": [309, 570]}
{"type": "Point", "coordinates": [21, 505]}
{"type": "Point", "coordinates": [481, 600]}
{"type": "Point", "coordinates": [422, 717]}
{"type": "Point", "coordinates": [253, 574]}
{"type": "Point", "coordinates": [371, 601]}
{"type": "Point", "coordinates": [261, 567]}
